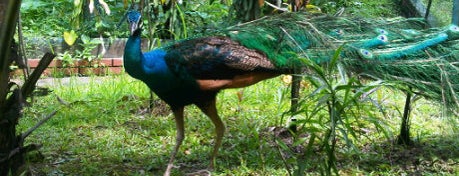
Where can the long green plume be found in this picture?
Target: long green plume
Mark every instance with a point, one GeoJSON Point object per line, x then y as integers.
{"type": "Point", "coordinates": [399, 49]}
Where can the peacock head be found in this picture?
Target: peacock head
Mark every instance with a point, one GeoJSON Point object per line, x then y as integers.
{"type": "Point", "coordinates": [133, 18]}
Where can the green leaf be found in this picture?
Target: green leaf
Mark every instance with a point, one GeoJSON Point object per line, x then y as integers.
{"type": "Point", "coordinates": [28, 5]}
{"type": "Point", "coordinates": [85, 39]}
{"type": "Point", "coordinates": [334, 60]}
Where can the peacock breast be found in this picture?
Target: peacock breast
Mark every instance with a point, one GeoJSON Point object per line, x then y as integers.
{"type": "Point", "coordinates": [173, 90]}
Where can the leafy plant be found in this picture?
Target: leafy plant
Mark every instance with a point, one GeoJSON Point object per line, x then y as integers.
{"type": "Point", "coordinates": [37, 19]}
{"type": "Point", "coordinates": [84, 51]}
{"type": "Point", "coordinates": [382, 8]}
{"type": "Point", "coordinates": [88, 45]}
{"type": "Point", "coordinates": [333, 112]}
{"type": "Point", "coordinates": [66, 57]}
{"type": "Point", "coordinates": [247, 10]}
{"type": "Point", "coordinates": [202, 16]}
{"type": "Point", "coordinates": [165, 20]}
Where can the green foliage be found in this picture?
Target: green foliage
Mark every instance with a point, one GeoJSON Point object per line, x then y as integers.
{"type": "Point", "coordinates": [164, 17]}
{"type": "Point", "coordinates": [84, 51]}
{"type": "Point", "coordinates": [39, 19]}
{"type": "Point", "coordinates": [330, 114]}
{"type": "Point", "coordinates": [73, 22]}
{"type": "Point", "coordinates": [171, 20]}
{"type": "Point", "coordinates": [66, 58]}
{"type": "Point", "coordinates": [162, 20]}
{"type": "Point", "coordinates": [246, 10]}
{"type": "Point", "coordinates": [45, 19]}
{"type": "Point", "coordinates": [442, 10]}
{"type": "Point", "coordinates": [106, 131]}
{"type": "Point", "coordinates": [364, 8]}
{"type": "Point", "coordinates": [87, 44]}
{"type": "Point", "coordinates": [202, 16]}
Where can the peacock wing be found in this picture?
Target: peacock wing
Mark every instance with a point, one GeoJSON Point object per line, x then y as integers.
{"type": "Point", "coordinates": [215, 58]}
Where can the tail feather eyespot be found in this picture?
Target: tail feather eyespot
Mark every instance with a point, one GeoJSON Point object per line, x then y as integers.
{"type": "Point", "coordinates": [383, 38]}
{"type": "Point", "coordinates": [381, 31]}
{"type": "Point", "coordinates": [366, 54]}
{"type": "Point", "coordinates": [453, 32]}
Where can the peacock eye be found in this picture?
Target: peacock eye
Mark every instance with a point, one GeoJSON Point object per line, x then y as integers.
{"type": "Point", "coordinates": [454, 28]}
{"type": "Point", "coordinates": [453, 32]}
{"type": "Point", "coordinates": [381, 31]}
{"type": "Point", "coordinates": [365, 54]}
{"type": "Point", "coordinates": [383, 38]}
{"type": "Point", "coordinates": [339, 31]}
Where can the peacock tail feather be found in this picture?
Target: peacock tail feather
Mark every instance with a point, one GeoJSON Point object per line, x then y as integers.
{"type": "Point", "coordinates": [398, 49]}
{"type": "Point", "coordinates": [426, 61]}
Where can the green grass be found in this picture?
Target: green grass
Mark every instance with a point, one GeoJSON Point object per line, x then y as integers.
{"type": "Point", "coordinates": [361, 8]}
{"type": "Point", "coordinates": [106, 131]}
{"type": "Point", "coordinates": [441, 10]}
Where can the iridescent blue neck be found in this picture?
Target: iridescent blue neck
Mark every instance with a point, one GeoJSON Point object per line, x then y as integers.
{"type": "Point", "coordinates": [153, 62]}
{"type": "Point", "coordinates": [133, 56]}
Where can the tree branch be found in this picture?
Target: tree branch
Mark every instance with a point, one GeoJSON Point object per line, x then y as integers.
{"type": "Point", "coordinates": [18, 150]}
{"type": "Point", "coordinates": [29, 131]}
{"type": "Point", "coordinates": [29, 85]}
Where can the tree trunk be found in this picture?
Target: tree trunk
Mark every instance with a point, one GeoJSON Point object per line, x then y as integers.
{"type": "Point", "coordinates": [296, 80]}
{"type": "Point", "coordinates": [11, 159]}
{"type": "Point", "coordinates": [247, 10]}
{"type": "Point", "coordinates": [404, 136]}
{"type": "Point", "coordinates": [10, 108]}
{"type": "Point", "coordinates": [295, 95]}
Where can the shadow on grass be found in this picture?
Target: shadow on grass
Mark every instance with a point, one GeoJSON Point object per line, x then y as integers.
{"type": "Point", "coordinates": [433, 155]}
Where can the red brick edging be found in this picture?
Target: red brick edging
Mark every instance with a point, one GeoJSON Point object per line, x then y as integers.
{"type": "Point", "coordinates": [59, 68]}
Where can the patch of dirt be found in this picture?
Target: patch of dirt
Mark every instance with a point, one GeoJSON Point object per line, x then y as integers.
{"type": "Point", "coordinates": [285, 136]}
{"type": "Point", "coordinates": [156, 107]}
{"type": "Point", "coordinates": [417, 159]}
{"type": "Point", "coordinates": [160, 108]}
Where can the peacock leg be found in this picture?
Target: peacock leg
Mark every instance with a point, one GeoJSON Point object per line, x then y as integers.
{"type": "Point", "coordinates": [210, 110]}
{"type": "Point", "coordinates": [179, 122]}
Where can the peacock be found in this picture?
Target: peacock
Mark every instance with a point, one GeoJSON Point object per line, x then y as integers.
{"type": "Point", "coordinates": [194, 70]}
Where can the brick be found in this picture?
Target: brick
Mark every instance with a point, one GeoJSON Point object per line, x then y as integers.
{"type": "Point", "coordinates": [117, 62]}
{"type": "Point", "coordinates": [115, 70]}
{"type": "Point", "coordinates": [105, 62]}
{"type": "Point", "coordinates": [33, 63]}
{"type": "Point", "coordinates": [47, 72]}
{"type": "Point", "coordinates": [55, 68]}
{"type": "Point", "coordinates": [65, 71]}
{"type": "Point", "coordinates": [55, 63]}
